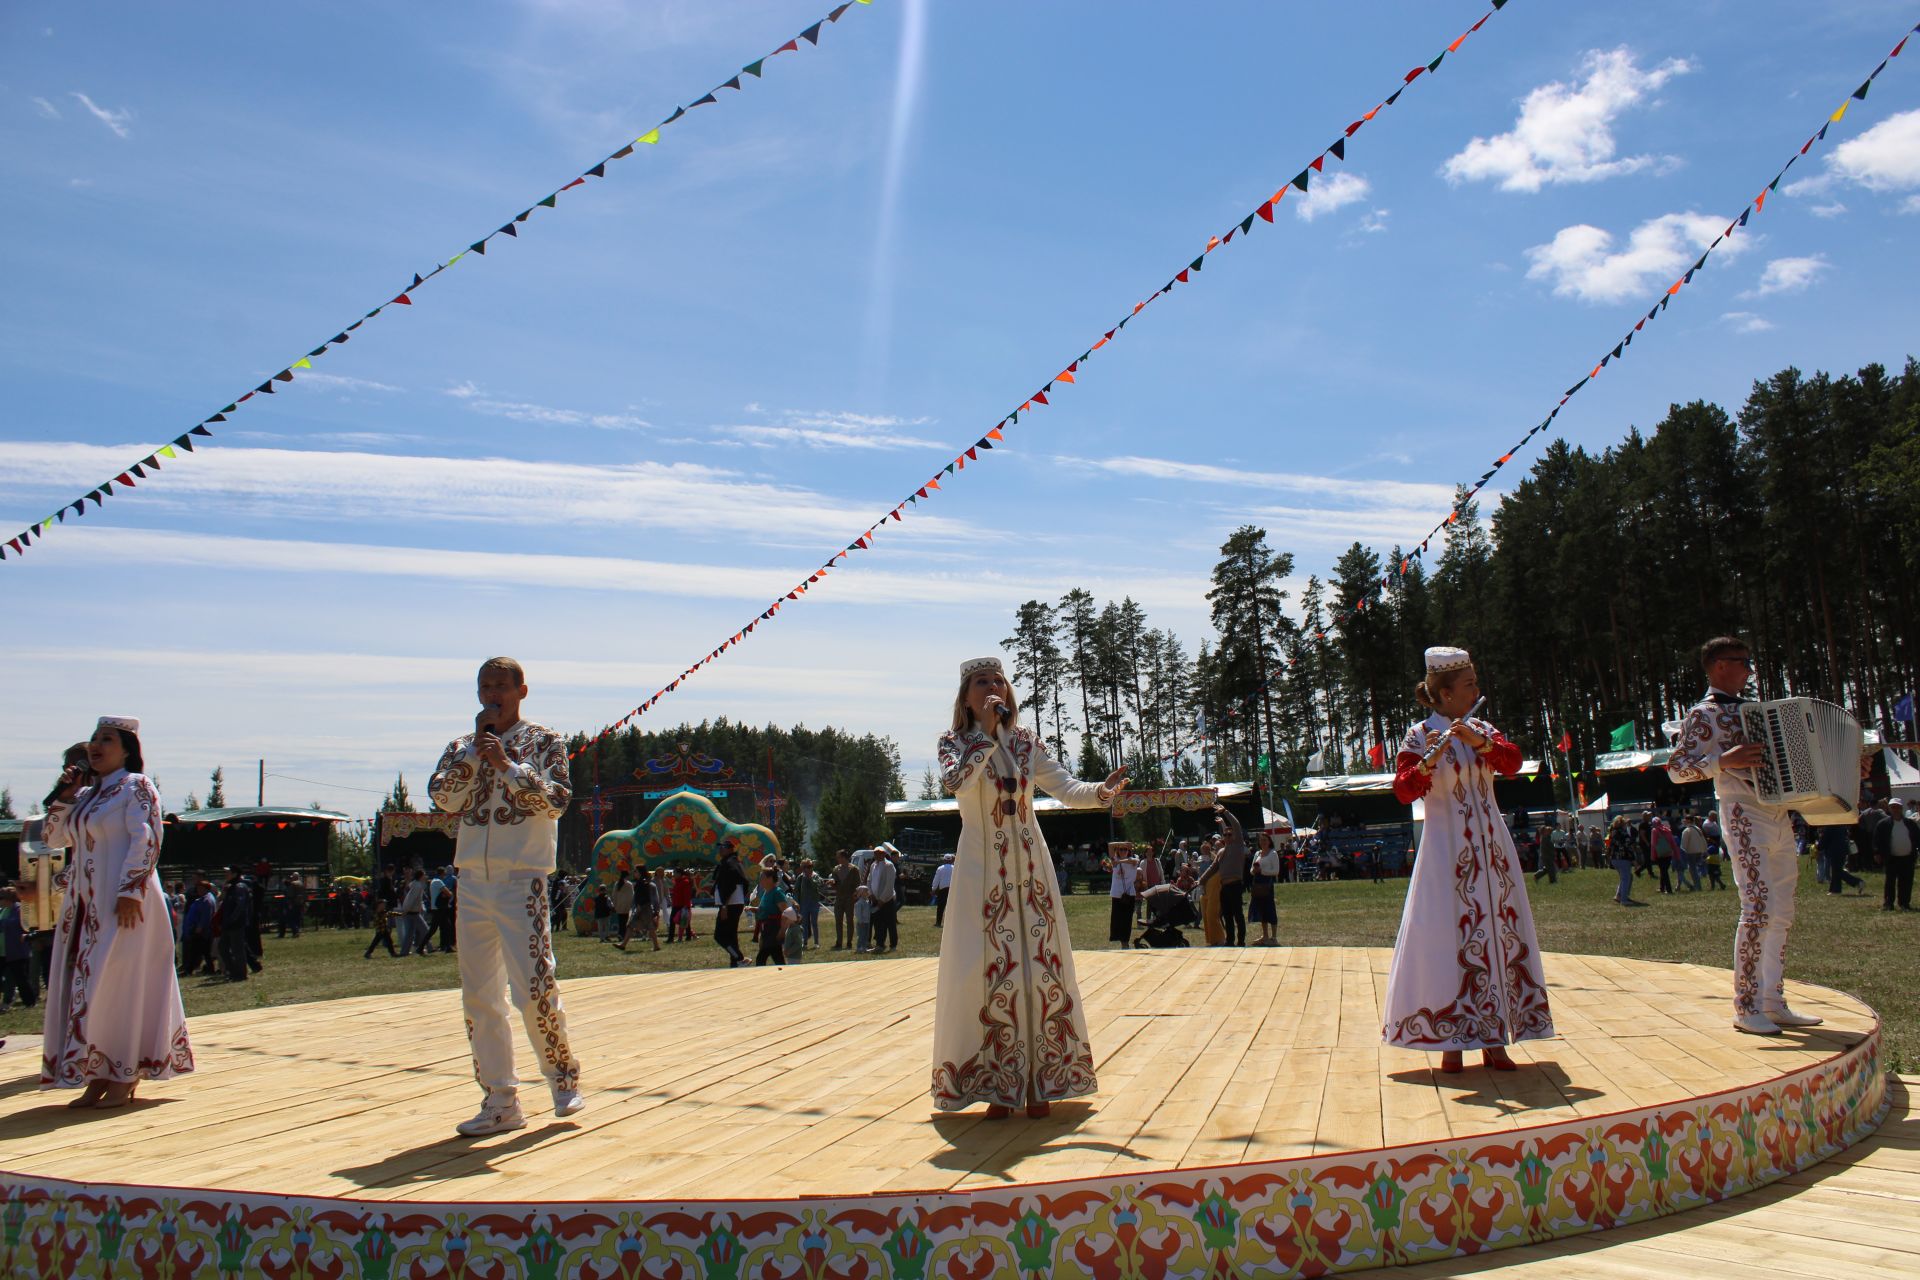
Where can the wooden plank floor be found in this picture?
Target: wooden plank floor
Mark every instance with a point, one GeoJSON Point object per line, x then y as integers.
{"type": "Point", "coordinates": [1856, 1216]}
{"type": "Point", "coordinates": [762, 1083]}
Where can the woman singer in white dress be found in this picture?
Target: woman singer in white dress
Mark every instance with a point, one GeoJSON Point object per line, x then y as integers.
{"type": "Point", "coordinates": [113, 1002]}
{"type": "Point", "coordinates": [1466, 967]}
{"type": "Point", "coordinates": [1008, 1026]}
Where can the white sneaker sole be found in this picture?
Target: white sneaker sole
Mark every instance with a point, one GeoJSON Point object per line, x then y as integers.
{"type": "Point", "coordinates": [468, 1129]}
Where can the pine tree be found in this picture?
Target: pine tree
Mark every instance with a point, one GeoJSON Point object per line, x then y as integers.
{"type": "Point", "coordinates": [791, 832]}
{"type": "Point", "coordinates": [397, 800]}
{"type": "Point", "coordinates": [929, 785]}
{"type": "Point", "coordinates": [851, 816]}
{"type": "Point", "coordinates": [217, 790]}
{"type": "Point", "coordinates": [192, 805]}
{"type": "Point", "coordinates": [6, 803]}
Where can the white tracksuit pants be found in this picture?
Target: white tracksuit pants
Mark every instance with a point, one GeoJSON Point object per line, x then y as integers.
{"type": "Point", "coordinates": [506, 957]}
{"type": "Point", "coordinates": [1766, 871]}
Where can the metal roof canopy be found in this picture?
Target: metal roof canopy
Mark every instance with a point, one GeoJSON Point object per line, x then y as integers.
{"type": "Point", "coordinates": [197, 817]}
{"type": "Point", "coordinates": [1041, 804]}
{"type": "Point", "coordinates": [1366, 784]}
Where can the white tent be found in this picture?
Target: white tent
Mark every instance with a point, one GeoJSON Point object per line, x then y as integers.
{"type": "Point", "coordinates": [1902, 778]}
{"type": "Point", "coordinates": [1595, 814]}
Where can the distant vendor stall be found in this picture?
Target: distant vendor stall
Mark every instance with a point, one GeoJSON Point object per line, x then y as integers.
{"type": "Point", "coordinates": [422, 840]}
{"type": "Point", "coordinates": [209, 840]}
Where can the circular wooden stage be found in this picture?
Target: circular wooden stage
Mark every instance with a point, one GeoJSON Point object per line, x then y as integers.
{"type": "Point", "coordinates": [773, 1124]}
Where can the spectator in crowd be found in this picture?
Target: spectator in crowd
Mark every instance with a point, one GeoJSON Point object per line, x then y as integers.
{"type": "Point", "coordinates": [382, 930]}
{"type": "Point", "coordinates": [845, 893]}
{"type": "Point", "coordinates": [1835, 843]}
{"type": "Point", "coordinates": [768, 908]}
{"type": "Point", "coordinates": [236, 905]}
{"type": "Point", "coordinates": [446, 907]}
{"type": "Point", "coordinates": [1621, 846]}
{"type": "Point", "coordinates": [1693, 849]}
{"type": "Point", "coordinates": [602, 914]}
{"type": "Point", "coordinates": [883, 880]}
{"type": "Point", "coordinates": [1546, 862]}
{"type": "Point", "coordinates": [16, 956]}
{"type": "Point", "coordinates": [794, 935]}
{"type": "Point", "coordinates": [806, 894]}
{"type": "Point", "coordinates": [622, 907]}
{"type": "Point", "coordinates": [413, 915]}
{"type": "Point", "coordinates": [730, 892]}
{"type": "Point", "coordinates": [1265, 873]}
{"type": "Point", "coordinates": [196, 930]}
{"type": "Point", "coordinates": [1897, 841]}
{"type": "Point", "coordinates": [942, 882]}
{"type": "Point", "coordinates": [640, 916]}
{"type": "Point", "coordinates": [862, 919]}
{"type": "Point", "coordinates": [1123, 890]}
{"type": "Point", "coordinates": [1230, 869]}
{"type": "Point", "coordinates": [682, 906]}
{"type": "Point", "coordinates": [1663, 846]}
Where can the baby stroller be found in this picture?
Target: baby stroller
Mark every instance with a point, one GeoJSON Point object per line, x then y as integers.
{"type": "Point", "coordinates": [1168, 911]}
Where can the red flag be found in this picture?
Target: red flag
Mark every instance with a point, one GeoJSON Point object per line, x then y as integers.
{"type": "Point", "coordinates": [1377, 753]}
{"type": "Point", "coordinates": [1565, 744]}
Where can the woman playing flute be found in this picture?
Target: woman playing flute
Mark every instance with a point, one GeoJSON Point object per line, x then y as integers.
{"type": "Point", "coordinates": [1466, 966]}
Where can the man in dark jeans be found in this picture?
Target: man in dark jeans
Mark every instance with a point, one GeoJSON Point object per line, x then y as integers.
{"type": "Point", "coordinates": [1231, 867]}
{"type": "Point", "coordinates": [730, 893]}
{"type": "Point", "coordinates": [1897, 841]}
{"type": "Point", "coordinates": [1834, 845]}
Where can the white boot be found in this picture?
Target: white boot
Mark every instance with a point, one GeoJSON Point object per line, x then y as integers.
{"type": "Point", "coordinates": [567, 1102]}
{"type": "Point", "coordinates": [1756, 1024]}
{"type": "Point", "coordinates": [1788, 1018]}
{"type": "Point", "coordinates": [494, 1117]}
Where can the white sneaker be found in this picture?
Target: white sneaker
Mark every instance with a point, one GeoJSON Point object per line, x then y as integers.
{"type": "Point", "coordinates": [493, 1118]}
{"type": "Point", "coordinates": [1788, 1018]}
{"type": "Point", "coordinates": [568, 1102]}
{"type": "Point", "coordinates": [1756, 1024]}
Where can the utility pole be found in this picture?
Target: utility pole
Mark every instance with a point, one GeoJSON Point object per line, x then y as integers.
{"type": "Point", "coordinates": [260, 796]}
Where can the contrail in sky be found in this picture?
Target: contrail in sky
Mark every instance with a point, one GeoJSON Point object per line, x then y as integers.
{"type": "Point", "coordinates": [906, 98]}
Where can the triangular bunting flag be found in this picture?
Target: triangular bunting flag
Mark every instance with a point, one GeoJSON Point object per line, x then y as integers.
{"type": "Point", "coordinates": [577, 182]}
{"type": "Point", "coordinates": [1266, 211]}
{"type": "Point", "coordinates": [1319, 164]}
{"type": "Point", "coordinates": [509, 230]}
{"type": "Point", "coordinates": [1300, 180]}
{"type": "Point", "coordinates": [995, 434]}
{"type": "Point", "coordinates": [401, 300]}
{"type": "Point", "coordinates": [1339, 148]}
{"type": "Point", "coordinates": [479, 247]}
{"type": "Point", "coordinates": [701, 102]}
{"type": "Point", "coordinates": [753, 68]}
{"type": "Point", "coordinates": [731, 83]}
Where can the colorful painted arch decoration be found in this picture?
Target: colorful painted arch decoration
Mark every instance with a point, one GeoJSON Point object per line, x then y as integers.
{"type": "Point", "coordinates": [684, 829]}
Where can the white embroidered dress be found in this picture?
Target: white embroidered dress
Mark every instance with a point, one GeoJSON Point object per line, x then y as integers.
{"type": "Point", "coordinates": [1466, 966]}
{"type": "Point", "coordinates": [113, 1001]}
{"type": "Point", "coordinates": [1008, 1023]}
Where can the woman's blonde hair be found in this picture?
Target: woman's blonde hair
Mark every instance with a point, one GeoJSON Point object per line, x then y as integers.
{"type": "Point", "coordinates": [1427, 692]}
{"type": "Point", "coordinates": [962, 717]}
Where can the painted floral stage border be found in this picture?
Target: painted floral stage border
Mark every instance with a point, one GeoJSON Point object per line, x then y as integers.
{"type": "Point", "coordinates": [1304, 1217]}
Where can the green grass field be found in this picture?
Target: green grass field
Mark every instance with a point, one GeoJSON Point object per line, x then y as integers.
{"type": "Point", "coordinates": [1844, 942]}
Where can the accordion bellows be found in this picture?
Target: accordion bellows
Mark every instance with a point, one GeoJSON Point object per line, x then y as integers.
{"type": "Point", "coordinates": [1812, 757]}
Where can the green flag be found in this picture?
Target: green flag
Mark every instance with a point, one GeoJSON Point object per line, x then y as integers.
{"type": "Point", "coordinates": [1263, 762]}
{"type": "Point", "coordinates": [1623, 737]}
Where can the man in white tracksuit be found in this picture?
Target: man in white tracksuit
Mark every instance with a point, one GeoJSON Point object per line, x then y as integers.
{"type": "Point", "coordinates": [1759, 839]}
{"type": "Point", "coordinates": [509, 782]}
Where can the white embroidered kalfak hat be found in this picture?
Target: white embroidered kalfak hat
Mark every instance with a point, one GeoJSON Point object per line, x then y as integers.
{"type": "Point", "coordinates": [1443, 658]}
{"type": "Point", "coordinates": [972, 665]}
{"type": "Point", "coordinates": [129, 723]}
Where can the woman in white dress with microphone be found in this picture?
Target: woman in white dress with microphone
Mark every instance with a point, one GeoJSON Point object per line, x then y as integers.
{"type": "Point", "coordinates": [1466, 966]}
{"type": "Point", "coordinates": [114, 1016]}
{"type": "Point", "coordinates": [1009, 1028]}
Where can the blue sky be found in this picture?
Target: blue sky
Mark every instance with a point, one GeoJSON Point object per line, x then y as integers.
{"type": "Point", "coordinates": [609, 443]}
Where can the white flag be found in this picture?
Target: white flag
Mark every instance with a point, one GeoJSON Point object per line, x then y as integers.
{"type": "Point", "coordinates": [1318, 761]}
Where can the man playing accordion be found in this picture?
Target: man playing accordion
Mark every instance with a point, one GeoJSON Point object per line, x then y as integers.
{"type": "Point", "coordinates": [1758, 836]}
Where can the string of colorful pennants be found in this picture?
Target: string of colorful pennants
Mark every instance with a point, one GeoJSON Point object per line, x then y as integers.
{"type": "Point", "coordinates": [1262, 212]}
{"type": "Point", "coordinates": [128, 478]}
{"type": "Point", "coordinates": [1756, 205]}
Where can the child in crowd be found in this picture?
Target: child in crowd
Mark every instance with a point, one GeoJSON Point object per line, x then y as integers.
{"type": "Point", "coordinates": [382, 930]}
{"type": "Point", "coordinates": [862, 920]}
{"type": "Point", "coordinates": [768, 909]}
{"type": "Point", "coordinates": [795, 934]}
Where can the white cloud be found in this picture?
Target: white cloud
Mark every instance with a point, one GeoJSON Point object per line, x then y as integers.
{"type": "Point", "coordinates": [1582, 263]}
{"type": "Point", "coordinates": [335, 382]}
{"type": "Point", "coordinates": [545, 415]}
{"type": "Point", "coordinates": [1833, 210]}
{"type": "Point", "coordinates": [1337, 192]}
{"type": "Point", "coordinates": [1788, 275]}
{"type": "Point", "coordinates": [315, 484]}
{"type": "Point", "coordinates": [1885, 157]}
{"type": "Point", "coordinates": [114, 120]}
{"type": "Point", "coordinates": [1910, 205]}
{"type": "Point", "coordinates": [1747, 322]}
{"type": "Point", "coordinates": [854, 582]}
{"type": "Point", "coordinates": [1375, 221]}
{"type": "Point", "coordinates": [1564, 132]}
{"type": "Point", "coordinates": [833, 429]}
{"type": "Point", "coordinates": [45, 108]}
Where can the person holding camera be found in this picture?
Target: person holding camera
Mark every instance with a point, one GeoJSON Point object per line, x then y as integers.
{"type": "Point", "coordinates": [114, 1016]}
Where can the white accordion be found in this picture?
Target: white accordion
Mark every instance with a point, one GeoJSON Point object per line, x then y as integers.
{"type": "Point", "coordinates": [1812, 759]}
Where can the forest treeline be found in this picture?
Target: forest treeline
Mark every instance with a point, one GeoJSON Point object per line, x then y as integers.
{"type": "Point", "coordinates": [1584, 599]}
